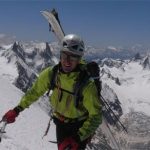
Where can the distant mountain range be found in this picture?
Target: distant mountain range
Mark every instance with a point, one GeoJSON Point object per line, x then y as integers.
{"type": "Point", "coordinates": [30, 59]}
{"type": "Point", "coordinates": [116, 52]}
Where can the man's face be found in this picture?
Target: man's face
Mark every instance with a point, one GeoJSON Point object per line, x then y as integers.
{"type": "Point", "coordinates": [69, 61]}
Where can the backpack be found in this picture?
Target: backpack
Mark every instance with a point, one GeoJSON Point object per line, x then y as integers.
{"type": "Point", "coordinates": [88, 71]}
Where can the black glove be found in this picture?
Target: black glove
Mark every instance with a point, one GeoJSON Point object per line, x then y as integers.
{"type": "Point", "coordinates": [18, 109]}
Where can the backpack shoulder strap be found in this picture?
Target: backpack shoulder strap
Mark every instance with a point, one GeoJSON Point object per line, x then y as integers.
{"type": "Point", "coordinates": [55, 70]}
{"type": "Point", "coordinates": [82, 79]}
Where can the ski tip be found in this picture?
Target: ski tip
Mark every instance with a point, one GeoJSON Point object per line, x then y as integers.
{"type": "Point", "coordinates": [43, 12]}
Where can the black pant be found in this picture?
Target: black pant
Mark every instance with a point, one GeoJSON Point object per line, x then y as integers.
{"type": "Point", "coordinates": [64, 130]}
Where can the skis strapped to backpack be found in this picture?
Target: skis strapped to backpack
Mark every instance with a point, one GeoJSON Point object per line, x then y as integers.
{"type": "Point", "coordinates": [54, 23]}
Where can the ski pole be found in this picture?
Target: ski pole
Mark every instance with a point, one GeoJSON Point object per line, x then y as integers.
{"type": "Point", "coordinates": [113, 119]}
{"type": "Point", "coordinates": [2, 129]}
{"type": "Point", "coordinates": [50, 119]}
{"type": "Point", "coordinates": [48, 127]}
{"type": "Point", "coordinates": [54, 142]}
{"type": "Point", "coordinates": [115, 116]}
{"type": "Point", "coordinates": [104, 101]}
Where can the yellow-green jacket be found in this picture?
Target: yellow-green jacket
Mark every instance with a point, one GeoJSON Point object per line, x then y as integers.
{"type": "Point", "coordinates": [90, 104]}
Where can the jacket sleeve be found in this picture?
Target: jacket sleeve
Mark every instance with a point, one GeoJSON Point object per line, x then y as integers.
{"type": "Point", "coordinates": [92, 103]}
{"type": "Point", "coordinates": [39, 87]}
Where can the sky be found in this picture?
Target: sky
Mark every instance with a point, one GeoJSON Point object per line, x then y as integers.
{"type": "Point", "coordinates": [99, 23]}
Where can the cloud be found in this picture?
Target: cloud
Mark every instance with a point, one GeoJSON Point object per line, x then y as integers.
{"type": "Point", "coordinates": [6, 39]}
{"type": "Point", "coordinates": [2, 35]}
{"type": "Point", "coordinates": [112, 48]}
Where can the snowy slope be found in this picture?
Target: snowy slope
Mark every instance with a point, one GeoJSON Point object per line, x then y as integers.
{"type": "Point", "coordinates": [133, 93]}
{"type": "Point", "coordinates": [134, 90]}
{"type": "Point", "coordinates": [26, 133]}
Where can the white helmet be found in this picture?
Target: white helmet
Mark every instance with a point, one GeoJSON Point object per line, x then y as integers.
{"type": "Point", "coordinates": [74, 44]}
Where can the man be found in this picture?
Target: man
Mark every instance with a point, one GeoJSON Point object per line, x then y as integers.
{"type": "Point", "coordinates": [75, 121]}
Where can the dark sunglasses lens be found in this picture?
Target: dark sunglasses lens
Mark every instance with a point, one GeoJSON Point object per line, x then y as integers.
{"type": "Point", "coordinates": [74, 58]}
{"type": "Point", "coordinates": [63, 55]}
{"type": "Point", "coordinates": [68, 56]}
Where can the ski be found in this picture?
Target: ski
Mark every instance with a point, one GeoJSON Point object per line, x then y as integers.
{"type": "Point", "coordinates": [54, 23]}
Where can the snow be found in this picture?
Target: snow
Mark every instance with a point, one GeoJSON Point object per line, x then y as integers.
{"type": "Point", "coordinates": [29, 50]}
{"type": "Point", "coordinates": [7, 69]}
{"type": "Point", "coordinates": [112, 48]}
{"type": "Point", "coordinates": [40, 46]}
{"type": "Point", "coordinates": [39, 62]}
{"type": "Point", "coordinates": [26, 133]}
{"type": "Point", "coordinates": [134, 90]}
{"type": "Point", "coordinates": [7, 46]}
{"type": "Point", "coordinates": [56, 61]}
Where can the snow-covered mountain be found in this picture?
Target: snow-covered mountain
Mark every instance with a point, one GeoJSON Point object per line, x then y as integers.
{"type": "Point", "coordinates": [133, 93]}
{"type": "Point", "coordinates": [126, 85]}
{"type": "Point", "coordinates": [30, 59]}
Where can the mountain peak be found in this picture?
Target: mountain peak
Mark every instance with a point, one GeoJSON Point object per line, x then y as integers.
{"type": "Point", "coordinates": [137, 57]}
{"type": "Point", "coordinates": [146, 62]}
{"type": "Point", "coordinates": [18, 49]}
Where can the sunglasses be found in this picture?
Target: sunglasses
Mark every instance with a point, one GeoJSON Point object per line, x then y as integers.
{"type": "Point", "coordinates": [71, 57]}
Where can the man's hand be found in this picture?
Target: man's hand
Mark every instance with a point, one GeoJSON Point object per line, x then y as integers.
{"type": "Point", "coordinates": [11, 115]}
